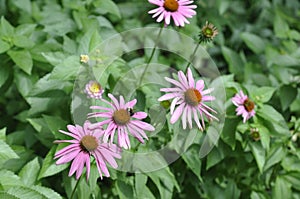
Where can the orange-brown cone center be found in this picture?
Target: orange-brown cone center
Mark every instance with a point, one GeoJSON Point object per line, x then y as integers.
{"type": "Point", "coordinates": [121, 117]}
{"type": "Point", "coordinates": [249, 105]}
{"type": "Point", "coordinates": [88, 143]}
{"type": "Point", "coordinates": [193, 97]}
{"type": "Point", "coordinates": [171, 5]}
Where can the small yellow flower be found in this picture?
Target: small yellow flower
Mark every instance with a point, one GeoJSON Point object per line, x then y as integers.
{"type": "Point", "coordinates": [84, 58]}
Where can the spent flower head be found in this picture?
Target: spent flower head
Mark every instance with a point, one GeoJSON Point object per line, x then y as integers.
{"type": "Point", "coordinates": [190, 97]}
{"type": "Point", "coordinates": [178, 10]}
{"type": "Point", "coordinates": [208, 32]}
{"type": "Point", "coordinates": [120, 118]}
{"type": "Point", "coordinates": [86, 143]}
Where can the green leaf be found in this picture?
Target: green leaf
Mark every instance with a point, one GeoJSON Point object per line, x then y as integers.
{"type": "Point", "coordinates": [30, 172]}
{"type": "Point", "coordinates": [9, 179]}
{"type": "Point", "coordinates": [262, 94]}
{"type": "Point", "coordinates": [191, 157]}
{"type": "Point", "coordinates": [22, 41]}
{"type": "Point", "coordinates": [4, 46]}
{"type": "Point", "coordinates": [275, 120]}
{"type": "Point", "coordinates": [255, 43]}
{"type": "Point", "coordinates": [232, 191]}
{"type": "Point", "coordinates": [24, 5]}
{"type": "Point", "coordinates": [229, 130]}
{"type": "Point", "coordinates": [4, 73]}
{"type": "Point", "coordinates": [124, 190]}
{"type": "Point", "coordinates": [236, 65]}
{"type": "Point", "coordinates": [293, 179]}
{"type": "Point", "coordinates": [274, 156]}
{"type": "Point", "coordinates": [291, 163]}
{"type": "Point", "coordinates": [287, 95]}
{"type": "Point", "coordinates": [141, 189]}
{"type": "Point", "coordinates": [257, 195]}
{"type": "Point", "coordinates": [3, 134]}
{"type": "Point", "coordinates": [25, 29]}
{"type": "Point", "coordinates": [165, 181]}
{"type": "Point", "coordinates": [67, 70]}
{"type": "Point", "coordinates": [108, 6]}
{"type": "Point", "coordinates": [33, 192]}
{"type": "Point", "coordinates": [281, 27]}
{"type": "Point", "coordinates": [6, 28]}
{"type": "Point", "coordinates": [24, 82]}
{"type": "Point", "coordinates": [7, 195]}
{"type": "Point", "coordinates": [282, 189]}
{"type": "Point", "coordinates": [54, 123]}
{"type": "Point", "coordinates": [23, 59]}
{"type": "Point", "coordinates": [259, 155]}
{"type": "Point", "coordinates": [49, 167]}
{"type": "Point", "coordinates": [6, 153]}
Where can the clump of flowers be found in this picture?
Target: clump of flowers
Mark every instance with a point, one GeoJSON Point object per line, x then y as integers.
{"type": "Point", "coordinates": [245, 106]}
{"type": "Point", "coordinates": [86, 143]}
{"type": "Point", "coordinates": [208, 32]}
{"type": "Point", "coordinates": [189, 97]}
{"type": "Point", "coordinates": [178, 10]}
{"type": "Point", "coordinates": [84, 58]}
{"type": "Point", "coordinates": [94, 90]}
{"type": "Point", "coordinates": [121, 119]}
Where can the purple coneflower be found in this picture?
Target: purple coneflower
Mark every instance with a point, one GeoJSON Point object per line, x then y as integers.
{"type": "Point", "coordinates": [245, 106]}
{"type": "Point", "coordinates": [94, 90]}
{"type": "Point", "coordinates": [85, 144]}
{"type": "Point", "coordinates": [120, 118]}
{"type": "Point", "coordinates": [190, 98]}
{"type": "Point", "coordinates": [179, 10]}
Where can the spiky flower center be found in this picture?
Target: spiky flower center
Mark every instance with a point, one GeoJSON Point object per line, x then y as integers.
{"type": "Point", "coordinates": [88, 143]}
{"type": "Point", "coordinates": [121, 117]}
{"type": "Point", "coordinates": [171, 5]}
{"type": "Point", "coordinates": [95, 87]}
{"type": "Point", "coordinates": [249, 105]}
{"type": "Point", "coordinates": [208, 32]}
{"type": "Point", "coordinates": [192, 96]}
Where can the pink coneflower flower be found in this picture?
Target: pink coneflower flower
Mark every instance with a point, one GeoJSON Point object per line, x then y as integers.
{"type": "Point", "coordinates": [120, 118]}
{"type": "Point", "coordinates": [245, 106]}
{"type": "Point", "coordinates": [190, 98]}
{"type": "Point", "coordinates": [94, 90]}
{"type": "Point", "coordinates": [85, 144]}
{"type": "Point", "coordinates": [179, 10]}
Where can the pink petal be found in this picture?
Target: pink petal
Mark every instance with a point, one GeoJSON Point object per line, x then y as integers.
{"type": "Point", "coordinates": [200, 85]}
{"type": "Point", "coordinates": [177, 113]}
{"type": "Point", "coordinates": [116, 103]}
{"type": "Point", "coordinates": [169, 96]}
{"type": "Point", "coordinates": [142, 125]}
{"type": "Point", "coordinates": [131, 103]}
{"type": "Point", "coordinates": [190, 78]}
{"type": "Point", "coordinates": [183, 117]}
{"type": "Point", "coordinates": [68, 157]}
{"type": "Point", "coordinates": [139, 115]}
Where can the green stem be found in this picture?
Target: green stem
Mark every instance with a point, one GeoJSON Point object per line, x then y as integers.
{"type": "Point", "coordinates": [76, 185]}
{"type": "Point", "coordinates": [193, 55]}
{"type": "Point", "coordinates": [151, 56]}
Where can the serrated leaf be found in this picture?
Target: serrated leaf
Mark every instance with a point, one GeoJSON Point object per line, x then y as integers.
{"type": "Point", "coordinates": [22, 41]}
{"type": "Point", "coordinates": [282, 189]}
{"type": "Point", "coordinates": [191, 157]}
{"type": "Point", "coordinates": [262, 94]}
{"type": "Point", "coordinates": [274, 156]}
{"type": "Point", "coordinates": [5, 195]}
{"type": "Point", "coordinates": [25, 29]}
{"type": "Point", "coordinates": [236, 65]}
{"type": "Point", "coordinates": [22, 58]}
{"type": "Point", "coordinates": [255, 43]}
{"type": "Point", "coordinates": [4, 73]}
{"type": "Point", "coordinates": [3, 134]}
{"type": "Point", "coordinates": [141, 189]}
{"type": "Point", "coordinates": [9, 179]}
{"type": "Point", "coordinates": [6, 28]}
{"type": "Point", "coordinates": [6, 153]}
{"type": "Point", "coordinates": [4, 46]}
{"type": "Point", "coordinates": [259, 155]}
{"type": "Point", "coordinates": [29, 172]}
{"type": "Point", "coordinates": [108, 6]}
{"type": "Point", "coordinates": [24, 5]}
{"type": "Point", "coordinates": [287, 95]}
{"type": "Point", "coordinates": [67, 70]}
{"type": "Point", "coordinates": [124, 190]}
{"type": "Point", "coordinates": [33, 192]}
{"type": "Point", "coordinates": [49, 167]}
